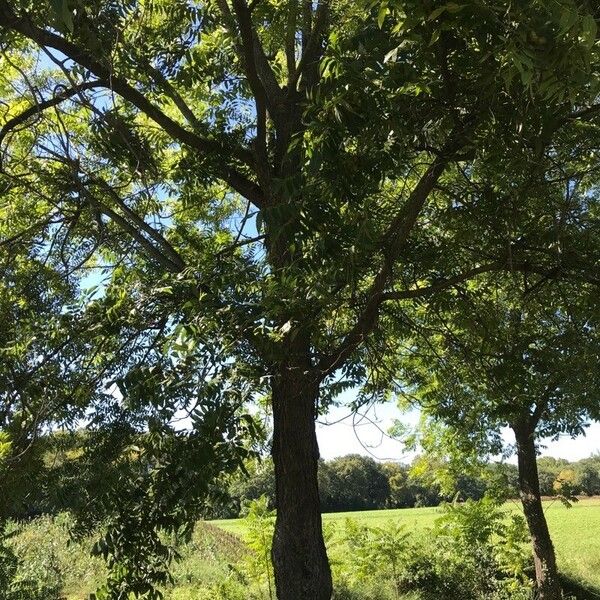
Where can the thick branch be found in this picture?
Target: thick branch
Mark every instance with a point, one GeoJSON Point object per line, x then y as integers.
{"type": "Point", "coordinates": [540, 407]}
{"type": "Point", "coordinates": [249, 52]}
{"type": "Point", "coordinates": [312, 49]}
{"type": "Point", "coordinates": [394, 242]}
{"type": "Point", "coordinates": [307, 16]}
{"type": "Point", "coordinates": [290, 42]}
{"type": "Point", "coordinates": [396, 238]}
{"type": "Point", "coordinates": [255, 57]}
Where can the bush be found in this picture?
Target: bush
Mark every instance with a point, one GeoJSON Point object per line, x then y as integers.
{"type": "Point", "coordinates": [8, 566]}
{"type": "Point", "coordinates": [475, 552]}
{"type": "Point", "coordinates": [51, 565]}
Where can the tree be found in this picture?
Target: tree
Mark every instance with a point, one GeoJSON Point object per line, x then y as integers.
{"type": "Point", "coordinates": [500, 355]}
{"type": "Point", "coordinates": [589, 479]}
{"type": "Point", "coordinates": [564, 484]}
{"type": "Point", "coordinates": [258, 483]}
{"type": "Point", "coordinates": [353, 482]}
{"type": "Point", "coordinates": [546, 479]}
{"type": "Point", "coordinates": [42, 346]}
{"type": "Point", "coordinates": [258, 181]}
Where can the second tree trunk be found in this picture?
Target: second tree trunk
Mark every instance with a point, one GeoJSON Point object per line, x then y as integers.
{"type": "Point", "coordinates": [546, 574]}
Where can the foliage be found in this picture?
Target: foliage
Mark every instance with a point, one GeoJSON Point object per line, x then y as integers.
{"type": "Point", "coordinates": [349, 483]}
{"type": "Point", "coordinates": [177, 472]}
{"type": "Point", "coordinates": [8, 567]}
{"type": "Point", "coordinates": [384, 550]}
{"type": "Point", "coordinates": [416, 484]}
{"type": "Point", "coordinates": [42, 559]}
{"type": "Point", "coordinates": [257, 482]}
{"type": "Point", "coordinates": [485, 529]}
{"type": "Point", "coordinates": [213, 562]}
{"type": "Point", "coordinates": [260, 189]}
{"type": "Point", "coordinates": [475, 551]}
{"type": "Point", "coordinates": [260, 522]}
{"type": "Point", "coordinates": [352, 482]}
{"type": "Point", "coordinates": [58, 487]}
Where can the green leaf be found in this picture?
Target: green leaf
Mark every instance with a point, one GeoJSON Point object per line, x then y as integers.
{"type": "Point", "coordinates": [435, 36]}
{"type": "Point", "coordinates": [451, 7]}
{"type": "Point", "coordinates": [382, 14]}
{"type": "Point", "coordinates": [63, 14]}
{"type": "Point", "coordinates": [392, 55]}
{"type": "Point", "coordinates": [589, 30]}
{"type": "Point", "coordinates": [437, 12]}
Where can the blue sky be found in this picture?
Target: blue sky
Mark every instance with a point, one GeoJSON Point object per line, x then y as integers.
{"type": "Point", "coordinates": [365, 437]}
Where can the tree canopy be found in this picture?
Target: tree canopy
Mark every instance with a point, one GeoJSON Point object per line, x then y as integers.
{"type": "Point", "coordinates": [258, 188]}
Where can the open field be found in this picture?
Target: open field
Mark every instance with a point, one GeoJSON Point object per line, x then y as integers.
{"type": "Point", "coordinates": [214, 557]}
{"type": "Point", "coordinates": [575, 531]}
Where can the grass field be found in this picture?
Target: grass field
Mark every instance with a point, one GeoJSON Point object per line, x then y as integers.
{"type": "Point", "coordinates": [575, 531]}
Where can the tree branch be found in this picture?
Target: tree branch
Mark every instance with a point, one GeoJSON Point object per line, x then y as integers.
{"type": "Point", "coordinates": [164, 244]}
{"type": "Point", "coordinates": [312, 50]}
{"type": "Point", "coordinates": [396, 238]}
{"type": "Point", "coordinates": [36, 109]}
{"type": "Point", "coordinates": [249, 50]}
{"type": "Point", "coordinates": [438, 286]}
{"type": "Point", "coordinates": [256, 59]}
{"type": "Point", "coordinates": [584, 113]}
{"type": "Point", "coordinates": [44, 38]}
{"type": "Point", "coordinates": [150, 250]}
{"type": "Point", "coordinates": [165, 254]}
{"type": "Point", "coordinates": [178, 100]}
{"type": "Point", "coordinates": [394, 242]}
{"type": "Point", "coordinates": [290, 42]}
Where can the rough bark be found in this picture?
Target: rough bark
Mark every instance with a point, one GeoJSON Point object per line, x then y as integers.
{"type": "Point", "coordinates": [546, 574]}
{"type": "Point", "coordinates": [299, 557]}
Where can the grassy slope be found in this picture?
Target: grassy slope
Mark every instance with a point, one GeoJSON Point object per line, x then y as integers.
{"type": "Point", "coordinates": [575, 531]}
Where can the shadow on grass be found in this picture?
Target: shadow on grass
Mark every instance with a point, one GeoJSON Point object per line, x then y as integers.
{"type": "Point", "coordinates": [577, 589]}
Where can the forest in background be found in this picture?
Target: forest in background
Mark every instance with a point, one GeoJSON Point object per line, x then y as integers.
{"type": "Point", "coordinates": [348, 483]}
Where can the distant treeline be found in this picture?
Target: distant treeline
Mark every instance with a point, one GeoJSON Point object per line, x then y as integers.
{"type": "Point", "coordinates": [356, 482]}
{"type": "Point", "coordinates": [59, 478]}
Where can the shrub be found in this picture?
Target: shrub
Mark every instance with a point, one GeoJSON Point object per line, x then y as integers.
{"type": "Point", "coordinates": [260, 522]}
{"type": "Point", "coordinates": [51, 565]}
{"type": "Point", "coordinates": [475, 552]}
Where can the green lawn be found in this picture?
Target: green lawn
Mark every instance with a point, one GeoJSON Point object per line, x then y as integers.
{"type": "Point", "coordinates": [575, 531]}
{"type": "Point", "coordinates": [415, 519]}
{"type": "Point", "coordinates": [576, 535]}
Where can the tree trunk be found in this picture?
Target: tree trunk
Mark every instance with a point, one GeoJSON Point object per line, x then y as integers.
{"type": "Point", "coordinates": [546, 574]}
{"type": "Point", "coordinates": [299, 557]}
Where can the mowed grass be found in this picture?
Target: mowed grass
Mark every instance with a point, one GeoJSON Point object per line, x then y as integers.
{"type": "Point", "coordinates": [415, 519]}
{"type": "Point", "coordinates": [576, 535]}
{"type": "Point", "coordinates": [575, 531]}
